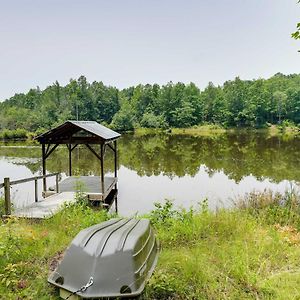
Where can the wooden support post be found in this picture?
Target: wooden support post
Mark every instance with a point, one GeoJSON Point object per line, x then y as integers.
{"type": "Point", "coordinates": [116, 204]}
{"type": "Point", "coordinates": [48, 152]}
{"type": "Point", "coordinates": [7, 196]}
{"type": "Point", "coordinates": [44, 167]}
{"type": "Point", "coordinates": [35, 190]}
{"type": "Point", "coordinates": [70, 159]}
{"type": "Point", "coordinates": [116, 173]}
{"type": "Point", "coordinates": [102, 167]}
{"type": "Point", "coordinates": [116, 159]}
{"type": "Point", "coordinates": [56, 182]}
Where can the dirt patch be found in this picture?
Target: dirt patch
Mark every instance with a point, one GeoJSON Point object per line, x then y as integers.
{"type": "Point", "coordinates": [56, 260]}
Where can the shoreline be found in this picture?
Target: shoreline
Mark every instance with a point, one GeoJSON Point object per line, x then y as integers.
{"type": "Point", "coordinates": [207, 130]}
{"type": "Point", "coordinates": [7, 135]}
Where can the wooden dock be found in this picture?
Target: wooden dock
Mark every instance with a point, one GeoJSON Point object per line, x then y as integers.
{"type": "Point", "coordinates": [100, 190]}
{"type": "Point", "coordinates": [90, 186]}
{"type": "Point", "coordinates": [45, 208]}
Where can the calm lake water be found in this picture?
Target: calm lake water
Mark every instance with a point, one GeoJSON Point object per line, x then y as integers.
{"type": "Point", "coordinates": [184, 168]}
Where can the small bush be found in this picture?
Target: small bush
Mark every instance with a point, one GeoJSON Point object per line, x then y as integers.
{"type": "Point", "coordinates": [123, 120]}
{"type": "Point", "coordinates": [273, 208]}
{"type": "Point", "coordinates": [149, 120]}
{"type": "Point", "coordinates": [227, 254]}
{"type": "Point", "coordinates": [19, 133]}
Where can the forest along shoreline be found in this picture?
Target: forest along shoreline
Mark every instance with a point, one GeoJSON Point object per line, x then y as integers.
{"type": "Point", "coordinates": [284, 128]}
{"type": "Point", "coordinates": [235, 104]}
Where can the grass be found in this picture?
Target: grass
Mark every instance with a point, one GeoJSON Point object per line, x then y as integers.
{"type": "Point", "coordinates": [145, 131]}
{"type": "Point", "coordinates": [2, 205]}
{"type": "Point", "coordinates": [286, 128]}
{"type": "Point", "coordinates": [27, 249]}
{"type": "Point", "coordinates": [236, 254]}
{"type": "Point", "coordinates": [200, 130]}
{"type": "Point", "coordinates": [249, 252]}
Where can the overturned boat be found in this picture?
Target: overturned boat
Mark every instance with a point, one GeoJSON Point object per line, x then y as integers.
{"type": "Point", "coordinates": [111, 259]}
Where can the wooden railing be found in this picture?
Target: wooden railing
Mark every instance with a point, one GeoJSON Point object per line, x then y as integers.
{"type": "Point", "coordinates": [7, 184]}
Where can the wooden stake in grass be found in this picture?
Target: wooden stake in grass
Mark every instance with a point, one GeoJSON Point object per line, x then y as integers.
{"type": "Point", "coordinates": [7, 196]}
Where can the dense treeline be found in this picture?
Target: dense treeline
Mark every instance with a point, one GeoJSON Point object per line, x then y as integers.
{"type": "Point", "coordinates": [238, 103]}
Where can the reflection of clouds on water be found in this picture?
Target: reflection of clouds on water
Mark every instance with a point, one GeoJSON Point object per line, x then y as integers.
{"type": "Point", "coordinates": [138, 193]}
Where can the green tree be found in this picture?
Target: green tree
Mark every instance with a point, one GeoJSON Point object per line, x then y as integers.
{"type": "Point", "coordinates": [150, 120]}
{"type": "Point", "coordinates": [280, 103]}
{"type": "Point", "coordinates": [235, 93]}
{"type": "Point", "coordinates": [123, 119]}
{"type": "Point", "coordinates": [184, 116]}
{"type": "Point", "coordinates": [236, 103]}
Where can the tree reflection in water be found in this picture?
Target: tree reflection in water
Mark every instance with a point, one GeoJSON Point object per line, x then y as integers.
{"type": "Point", "coordinates": [237, 155]}
{"type": "Point", "coordinates": [181, 158]}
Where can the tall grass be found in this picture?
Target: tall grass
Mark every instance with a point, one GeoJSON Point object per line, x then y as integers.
{"type": "Point", "coordinates": [272, 208]}
{"type": "Point", "coordinates": [28, 249]}
{"type": "Point", "coordinates": [249, 252]}
{"type": "Point", "coordinates": [236, 254]}
{"type": "Point", "coordinates": [200, 130]}
{"type": "Point", "coordinates": [2, 206]}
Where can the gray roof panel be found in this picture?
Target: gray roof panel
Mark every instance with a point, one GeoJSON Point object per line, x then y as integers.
{"type": "Point", "coordinates": [97, 129]}
{"type": "Point", "coordinates": [72, 127]}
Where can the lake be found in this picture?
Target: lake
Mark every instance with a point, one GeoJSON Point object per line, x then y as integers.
{"type": "Point", "coordinates": [183, 168]}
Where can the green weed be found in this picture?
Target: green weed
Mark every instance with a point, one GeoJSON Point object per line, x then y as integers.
{"type": "Point", "coordinates": [2, 206]}
{"type": "Point", "coordinates": [272, 208]}
{"type": "Point", "coordinates": [222, 255]}
{"type": "Point", "coordinates": [28, 247]}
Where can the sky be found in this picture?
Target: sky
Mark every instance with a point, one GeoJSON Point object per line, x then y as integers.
{"type": "Point", "coordinates": [127, 42]}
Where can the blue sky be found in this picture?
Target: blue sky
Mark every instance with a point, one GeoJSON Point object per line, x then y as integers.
{"type": "Point", "coordinates": [124, 43]}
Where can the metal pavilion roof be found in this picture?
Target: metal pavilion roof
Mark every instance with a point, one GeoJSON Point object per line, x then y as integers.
{"type": "Point", "coordinates": [79, 132]}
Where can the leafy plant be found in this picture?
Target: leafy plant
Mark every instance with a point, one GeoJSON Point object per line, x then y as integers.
{"type": "Point", "coordinates": [2, 206]}
{"type": "Point", "coordinates": [274, 208]}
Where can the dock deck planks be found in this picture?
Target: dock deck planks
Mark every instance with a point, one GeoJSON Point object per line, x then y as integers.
{"type": "Point", "coordinates": [45, 208]}
{"type": "Point", "coordinates": [89, 185]}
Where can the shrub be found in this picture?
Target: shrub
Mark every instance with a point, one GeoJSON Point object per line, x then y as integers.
{"type": "Point", "coordinates": [149, 120]}
{"type": "Point", "coordinates": [123, 120]}
{"type": "Point", "coordinates": [273, 208]}
{"type": "Point", "coordinates": [19, 133]}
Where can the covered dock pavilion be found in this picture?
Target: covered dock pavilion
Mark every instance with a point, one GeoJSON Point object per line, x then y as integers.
{"type": "Point", "coordinates": [92, 135]}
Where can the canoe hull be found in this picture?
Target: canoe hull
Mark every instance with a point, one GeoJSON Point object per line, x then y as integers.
{"type": "Point", "coordinates": [119, 255]}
